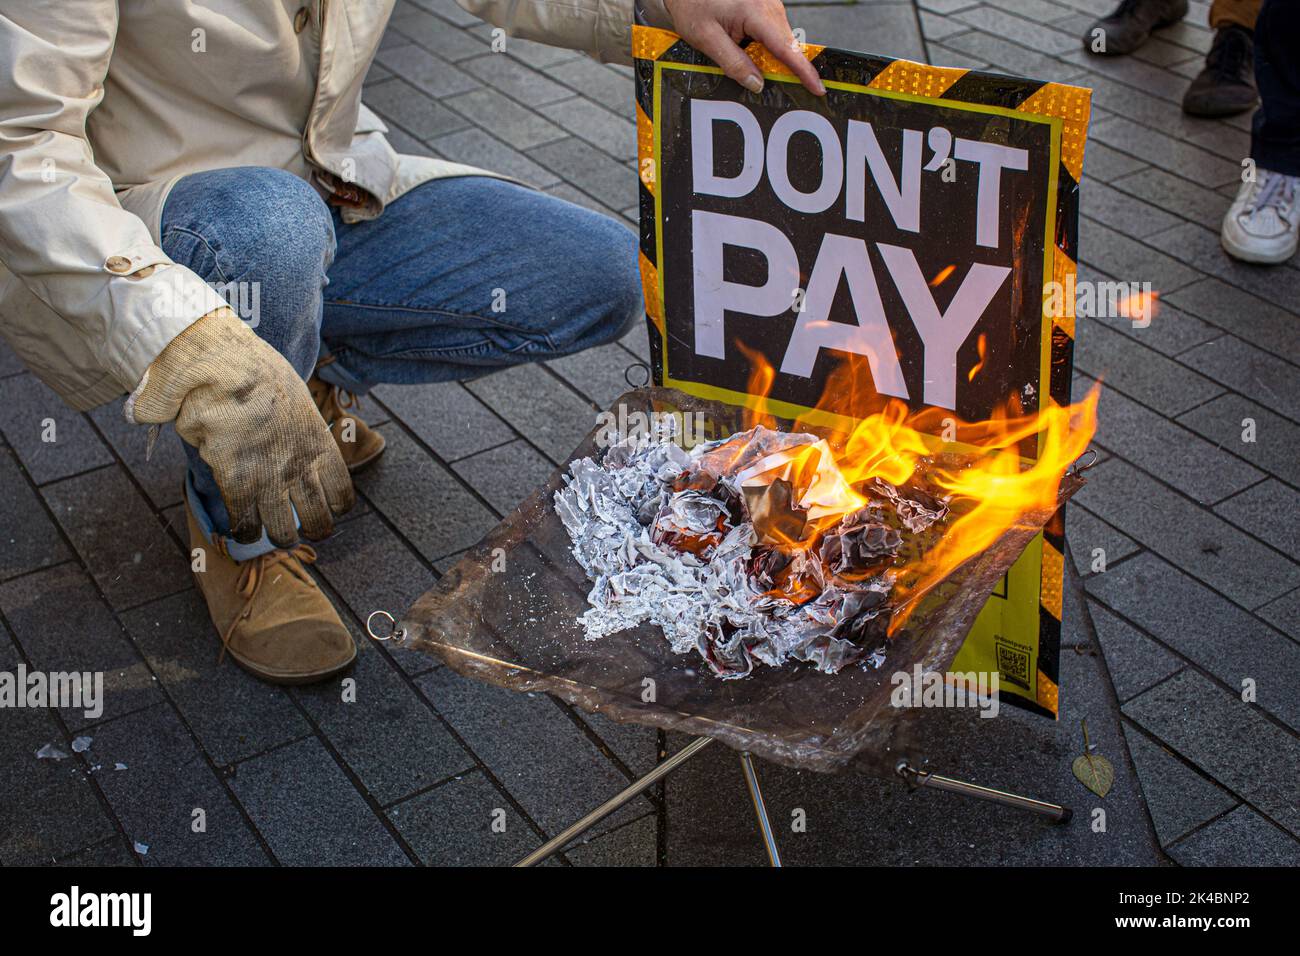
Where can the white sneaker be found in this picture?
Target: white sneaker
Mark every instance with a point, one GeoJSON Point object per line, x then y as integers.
{"type": "Point", "coordinates": [1263, 223]}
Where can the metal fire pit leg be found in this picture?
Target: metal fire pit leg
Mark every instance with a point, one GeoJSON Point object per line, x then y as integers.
{"type": "Point", "coordinates": [921, 778]}
{"type": "Point", "coordinates": [560, 840]}
{"type": "Point", "coordinates": [760, 809]}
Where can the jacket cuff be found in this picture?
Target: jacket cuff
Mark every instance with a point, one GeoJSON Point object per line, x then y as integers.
{"type": "Point", "coordinates": [150, 310]}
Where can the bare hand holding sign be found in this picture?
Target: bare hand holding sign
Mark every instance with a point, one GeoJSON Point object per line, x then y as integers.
{"type": "Point", "coordinates": [716, 28]}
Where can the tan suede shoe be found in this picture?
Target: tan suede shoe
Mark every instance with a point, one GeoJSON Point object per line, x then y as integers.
{"type": "Point", "coordinates": [359, 443]}
{"type": "Point", "coordinates": [273, 619]}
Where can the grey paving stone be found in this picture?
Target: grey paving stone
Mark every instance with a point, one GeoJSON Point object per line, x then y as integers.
{"type": "Point", "coordinates": [37, 608]}
{"type": "Point", "coordinates": [308, 811]}
{"type": "Point", "coordinates": [450, 11]}
{"type": "Point", "coordinates": [1251, 371]}
{"type": "Point", "coordinates": [372, 569]}
{"type": "Point", "coordinates": [1284, 614]}
{"type": "Point", "coordinates": [1010, 57]}
{"type": "Point", "coordinates": [452, 825]}
{"type": "Point", "coordinates": [633, 844]}
{"type": "Point", "coordinates": [165, 781]}
{"type": "Point", "coordinates": [946, 6]}
{"type": "Point", "coordinates": [1224, 421]}
{"type": "Point", "coordinates": [445, 417]}
{"type": "Point", "coordinates": [1178, 456]}
{"type": "Point", "coordinates": [1026, 32]}
{"type": "Point", "coordinates": [941, 55]}
{"type": "Point", "coordinates": [404, 142]}
{"type": "Point", "coordinates": [576, 196]}
{"type": "Point", "coordinates": [1101, 162]}
{"type": "Point", "coordinates": [590, 170]}
{"type": "Point", "coordinates": [1244, 315]}
{"type": "Point", "coordinates": [162, 474]}
{"type": "Point", "coordinates": [30, 412]}
{"type": "Point", "coordinates": [505, 475]}
{"type": "Point", "coordinates": [1178, 797]}
{"type": "Point", "coordinates": [112, 852]}
{"type": "Point", "coordinates": [1146, 375]}
{"type": "Point", "coordinates": [610, 133]}
{"type": "Point", "coordinates": [1128, 70]}
{"type": "Point", "coordinates": [377, 74]}
{"type": "Point", "coordinates": [540, 756]}
{"type": "Point", "coordinates": [383, 730]}
{"type": "Point", "coordinates": [596, 81]}
{"type": "Point", "coordinates": [48, 808]}
{"type": "Point", "coordinates": [1271, 511]}
{"type": "Point", "coordinates": [10, 364]}
{"type": "Point", "coordinates": [1122, 211]}
{"type": "Point", "coordinates": [1200, 248]}
{"type": "Point", "coordinates": [1187, 199]}
{"type": "Point", "coordinates": [30, 539]}
{"type": "Point", "coordinates": [1170, 331]}
{"type": "Point", "coordinates": [403, 107]}
{"type": "Point", "coordinates": [1241, 838]}
{"type": "Point", "coordinates": [1138, 105]}
{"type": "Point", "coordinates": [423, 500]}
{"type": "Point", "coordinates": [854, 819]}
{"type": "Point", "coordinates": [539, 407]}
{"type": "Point", "coordinates": [528, 52]}
{"type": "Point", "coordinates": [1189, 536]}
{"type": "Point", "coordinates": [505, 119]}
{"type": "Point", "coordinates": [936, 26]}
{"type": "Point", "coordinates": [120, 540]}
{"type": "Point", "coordinates": [521, 83]}
{"type": "Point", "coordinates": [637, 746]}
{"type": "Point", "coordinates": [867, 27]}
{"type": "Point", "coordinates": [1207, 630]}
{"type": "Point", "coordinates": [1135, 662]}
{"type": "Point", "coordinates": [1230, 741]}
{"type": "Point", "coordinates": [1085, 532]}
{"type": "Point", "coordinates": [427, 72]}
{"type": "Point", "coordinates": [1039, 10]}
{"type": "Point", "coordinates": [601, 373]}
{"type": "Point", "coordinates": [1129, 260]}
{"type": "Point", "coordinates": [232, 714]}
{"type": "Point", "coordinates": [1167, 152]}
{"type": "Point", "coordinates": [433, 34]}
{"type": "Point", "coordinates": [477, 148]}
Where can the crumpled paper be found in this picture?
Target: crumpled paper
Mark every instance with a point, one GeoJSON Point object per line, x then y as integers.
{"type": "Point", "coordinates": [629, 515]}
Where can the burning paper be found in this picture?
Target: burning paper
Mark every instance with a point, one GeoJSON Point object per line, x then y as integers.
{"type": "Point", "coordinates": [754, 548]}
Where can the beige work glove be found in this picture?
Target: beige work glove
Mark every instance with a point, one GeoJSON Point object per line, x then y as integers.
{"type": "Point", "coordinates": [241, 404]}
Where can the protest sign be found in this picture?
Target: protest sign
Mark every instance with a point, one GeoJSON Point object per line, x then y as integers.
{"type": "Point", "coordinates": [912, 221]}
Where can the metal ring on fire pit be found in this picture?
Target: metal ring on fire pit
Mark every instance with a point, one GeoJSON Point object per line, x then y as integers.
{"type": "Point", "coordinates": [1079, 465]}
{"type": "Point", "coordinates": [397, 633]}
{"type": "Point", "coordinates": [627, 377]}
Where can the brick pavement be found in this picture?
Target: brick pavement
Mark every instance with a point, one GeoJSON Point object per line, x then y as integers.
{"type": "Point", "coordinates": [1199, 533]}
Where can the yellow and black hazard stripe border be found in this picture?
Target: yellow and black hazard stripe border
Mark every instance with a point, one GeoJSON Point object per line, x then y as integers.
{"type": "Point", "coordinates": [1069, 104]}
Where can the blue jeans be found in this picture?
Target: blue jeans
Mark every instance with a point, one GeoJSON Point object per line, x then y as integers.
{"type": "Point", "coordinates": [458, 278]}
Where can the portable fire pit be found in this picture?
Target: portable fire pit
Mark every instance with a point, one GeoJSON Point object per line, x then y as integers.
{"type": "Point", "coordinates": [510, 613]}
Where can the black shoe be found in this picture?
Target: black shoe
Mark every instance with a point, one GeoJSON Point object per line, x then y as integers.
{"type": "Point", "coordinates": [1227, 84]}
{"type": "Point", "coordinates": [1131, 24]}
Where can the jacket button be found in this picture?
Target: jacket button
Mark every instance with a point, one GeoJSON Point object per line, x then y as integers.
{"type": "Point", "coordinates": [118, 264]}
{"type": "Point", "coordinates": [300, 19]}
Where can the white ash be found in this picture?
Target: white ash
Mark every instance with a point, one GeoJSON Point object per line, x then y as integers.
{"type": "Point", "coordinates": [614, 512]}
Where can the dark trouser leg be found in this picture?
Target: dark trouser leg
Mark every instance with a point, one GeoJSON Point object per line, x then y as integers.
{"type": "Point", "coordinates": [1275, 137]}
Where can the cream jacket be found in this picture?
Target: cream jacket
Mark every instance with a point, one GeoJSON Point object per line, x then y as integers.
{"type": "Point", "coordinates": [104, 104]}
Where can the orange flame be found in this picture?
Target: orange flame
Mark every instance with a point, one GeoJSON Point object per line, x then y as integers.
{"type": "Point", "coordinates": [981, 344]}
{"type": "Point", "coordinates": [1140, 305]}
{"type": "Point", "coordinates": [942, 276]}
{"type": "Point", "coordinates": [978, 465]}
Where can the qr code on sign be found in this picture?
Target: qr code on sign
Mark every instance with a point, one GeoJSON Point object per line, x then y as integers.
{"type": "Point", "coordinates": [1013, 664]}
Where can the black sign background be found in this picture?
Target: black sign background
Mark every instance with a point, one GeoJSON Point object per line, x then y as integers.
{"type": "Point", "coordinates": [1013, 322]}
